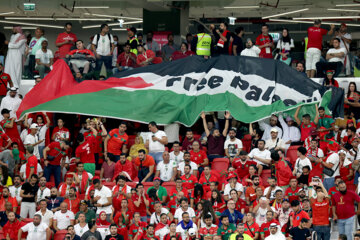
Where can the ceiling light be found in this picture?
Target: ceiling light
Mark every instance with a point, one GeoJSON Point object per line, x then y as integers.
{"type": "Point", "coordinates": [32, 24]}
{"type": "Point", "coordinates": [58, 19]}
{"type": "Point", "coordinates": [124, 29]}
{"type": "Point", "coordinates": [6, 13]}
{"type": "Point", "coordinates": [242, 7]}
{"type": "Point", "coordinates": [348, 5]}
{"type": "Point", "coordinates": [286, 13]}
{"type": "Point", "coordinates": [342, 10]}
{"type": "Point", "coordinates": [310, 22]}
{"type": "Point", "coordinates": [112, 16]}
{"type": "Point", "coordinates": [91, 7]}
{"type": "Point", "coordinates": [318, 17]}
{"type": "Point", "coordinates": [112, 24]}
{"type": "Point", "coordinates": [24, 28]}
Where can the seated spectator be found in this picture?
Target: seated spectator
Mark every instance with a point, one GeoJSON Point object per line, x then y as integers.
{"type": "Point", "coordinates": [226, 228]}
{"type": "Point", "coordinates": [184, 207]}
{"type": "Point", "coordinates": [250, 50]}
{"type": "Point", "coordinates": [198, 156]}
{"type": "Point", "coordinates": [71, 235]}
{"type": "Point", "coordinates": [160, 190]}
{"type": "Point", "coordinates": [47, 216]}
{"type": "Point", "coordinates": [89, 214]}
{"type": "Point", "coordinates": [137, 228]}
{"type": "Point", "coordinates": [301, 68]}
{"type": "Point", "coordinates": [242, 164]}
{"type": "Point", "coordinates": [92, 232]}
{"type": "Point", "coordinates": [176, 155]}
{"type": "Point", "coordinates": [186, 225]}
{"type": "Point", "coordinates": [126, 60]}
{"type": "Point", "coordinates": [275, 142]}
{"type": "Point", "coordinates": [335, 59]}
{"type": "Point", "coordinates": [329, 80]}
{"type": "Point", "coordinates": [182, 53]}
{"type": "Point", "coordinates": [103, 47]}
{"type": "Point", "coordinates": [134, 149]}
{"type": "Point", "coordinates": [217, 201]}
{"type": "Point", "coordinates": [146, 57]}
{"type": "Point", "coordinates": [151, 44]}
{"type": "Point", "coordinates": [166, 170]}
{"type": "Point", "coordinates": [80, 58]}
{"type": "Point", "coordinates": [163, 228]}
{"type": "Point", "coordinates": [36, 229]}
{"type": "Point", "coordinates": [298, 214]}
{"type": "Point", "coordinates": [63, 218]}
{"type": "Point", "coordinates": [261, 210]}
{"type": "Point", "coordinates": [6, 81]}
{"type": "Point", "coordinates": [107, 169]}
{"type": "Point", "coordinates": [141, 201]}
{"type": "Point", "coordinates": [251, 227]}
{"type": "Point", "coordinates": [73, 201]}
{"type": "Point", "coordinates": [64, 188]}
{"type": "Point", "coordinates": [54, 200]}
{"type": "Point", "coordinates": [292, 192]}
{"type": "Point", "coordinates": [113, 233]}
{"type": "Point", "coordinates": [275, 233]}
{"type": "Point", "coordinates": [101, 220]}
{"type": "Point", "coordinates": [169, 48]}
{"type": "Point", "coordinates": [269, 192]}
{"type": "Point", "coordinates": [159, 210]}
{"type": "Point", "coordinates": [267, 127]}
{"type": "Point", "coordinates": [188, 140]}
{"type": "Point", "coordinates": [234, 216]}
{"type": "Point", "coordinates": [144, 164]}
{"type": "Point", "coordinates": [81, 227]}
{"type": "Point", "coordinates": [232, 184]}
{"type": "Point", "coordinates": [44, 59]}
{"type": "Point", "coordinates": [301, 161]}
{"type": "Point", "coordinates": [209, 229]}
{"type": "Point", "coordinates": [261, 156]}
{"type": "Point", "coordinates": [12, 227]}
{"type": "Point", "coordinates": [6, 197]}
{"type": "Point", "coordinates": [187, 161]}
{"type": "Point", "coordinates": [197, 195]}
{"type": "Point", "coordinates": [4, 214]}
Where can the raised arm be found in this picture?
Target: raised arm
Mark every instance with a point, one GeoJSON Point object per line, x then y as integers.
{"type": "Point", "coordinates": [227, 116]}
{"type": "Point", "coordinates": [297, 120]}
{"type": "Point", "coordinates": [316, 119]}
{"type": "Point", "coordinates": [203, 116]}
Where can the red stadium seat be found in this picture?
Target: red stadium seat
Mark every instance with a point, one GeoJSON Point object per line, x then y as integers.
{"type": "Point", "coordinates": [147, 185]}
{"type": "Point", "coordinates": [109, 184]}
{"type": "Point", "coordinates": [60, 235]}
{"type": "Point", "coordinates": [132, 184]}
{"type": "Point", "coordinates": [2, 234]}
{"type": "Point", "coordinates": [246, 141]}
{"type": "Point", "coordinates": [97, 172]}
{"type": "Point", "coordinates": [131, 141]}
{"type": "Point", "coordinates": [168, 186]}
{"type": "Point", "coordinates": [291, 154]}
{"type": "Point", "coordinates": [27, 220]}
{"type": "Point", "coordinates": [264, 176]}
{"type": "Point", "coordinates": [220, 164]}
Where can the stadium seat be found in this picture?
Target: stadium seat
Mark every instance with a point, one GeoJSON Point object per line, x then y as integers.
{"type": "Point", "coordinates": [168, 186]}
{"type": "Point", "coordinates": [131, 184]}
{"type": "Point", "coordinates": [59, 235]}
{"type": "Point", "coordinates": [97, 172]}
{"type": "Point", "coordinates": [27, 220]}
{"type": "Point", "coordinates": [220, 164]}
{"type": "Point", "coordinates": [131, 141]}
{"type": "Point", "coordinates": [264, 176]}
{"type": "Point", "coordinates": [291, 154]}
{"type": "Point", "coordinates": [246, 141]}
{"type": "Point", "coordinates": [109, 184]}
{"type": "Point", "coordinates": [2, 234]}
{"type": "Point", "coordinates": [147, 185]}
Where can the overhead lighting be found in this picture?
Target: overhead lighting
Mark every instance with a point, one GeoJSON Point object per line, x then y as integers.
{"type": "Point", "coordinates": [6, 13]}
{"type": "Point", "coordinates": [310, 22]}
{"type": "Point", "coordinates": [242, 7]}
{"type": "Point", "coordinates": [91, 7]}
{"type": "Point", "coordinates": [342, 10]}
{"type": "Point", "coordinates": [58, 19]}
{"type": "Point", "coordinates": [348, 5]}
{"type": "Point", "coordinates": [24, 28]}
{"type": "Point", "coordinates": [124, 29]}
{"type": "Point", "coordinates": [335, 17]}
{"type": "Point", "coordinates": [112, 24]}
{"type": "Point", "coordinates": [286, 13]}
{"type": "Point", "coordinates": [32, 24]}
{"type": "Point", "coordinates": [112, 16]}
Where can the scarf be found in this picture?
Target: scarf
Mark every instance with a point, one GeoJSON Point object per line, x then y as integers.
{"type": "Point", "coordinates": [221, 42]}
{"type": "Point", "coordinates": [161, 225]}
{"type": "Point", "coordinates": [64, 187]}
{"type": "Point", "coordinates": [116, 190]}
{"type": "Point", "coordinates": [188, 226]}
{"type": "Point", "coordinates": [314, 153]}
{"type": "Point", "coordinates": [22, 36]}
{"type": "Point", "coordinates": [84, 182]}
{"type": "Point", "coordinates": [100, 222]}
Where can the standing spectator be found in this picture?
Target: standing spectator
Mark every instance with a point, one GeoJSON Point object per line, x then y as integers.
{"type": "Point", "coordinates": [343, 209]}
{"type": "Point", "coordinates": [332, 162]}
{"type": "Point", "coordinates": [301, 162]}
{"type": "Point", "coordinates": [151, 44]}
{"type": "Point", "coordinates": [11, 102]}
{"type": "Point", "coordinates": [60, 133]}
{"type": "Point", "coordinates": [306, 125]}
{"type": "Point", "coordinates": [283, 171]}
{"type": "Point", "coordinates": [103, 47]}
{"type": "Point", "coordinates": [313, 52]}
{"type": "Point", "coordinates": [82, 178]}
{"type": "Point", "coordinates": [46, 214]}
{"type": "Point", "coordinates": [238, 44]}
{"type": "Point", "coordinates": [166, 170]}
{"type": "Point", "coordinates": [145, 165]}
{"type": "Point", "coordinates": [141, 202]}
{"type": "Point", "coordinates": [53, 155]}
{"type": "Point", "coordinates": [222, 37]}
{"type": "Point", "coordinates": [284, 45]}
{"type": "Point", "coordinates": [65, 40]}
{"type": "Point", "coordinates": [156, 142]}
{"type": "Point", "coordinates": [176, 155]}
{"type": "Point", "coordinates": [5, 81]}
{"type": "Point", "coordinates": [265, 42]}
{"type": "Point", "coordinates": [268, 127]}
{"type": "Point", "coordinates": [103, 198]}
{"type": "Point", "coordinates": [215, 140]}
{"type": "Point", "coordinates": [116, 142]}
{"type": "Point", "coordinates": [36, 230]}
{"type": "Point", "coordinates": [132, 40]}
{"type": "Point", "coordinates": [8, 159]}
{"type": "Point", "coordinates": [201, 42]}
{"type": "Point", "coordinates": [32, 140]}
{"type": "Point", "coordinates": [43, 192]}
{"type": "Point", "coordinates": [233, 146]}
{"type": "Point", "coordinates": [291, 134]}
{"type": "Point", "coordinates": [320, 213]}
{"type": "Point", "coordinates": [335, 59]}
{"type": "Point", "coordinates": [14, 58]}
{"type": "Point", "coordinates": [346, 39]}
{"type": "Point", "coordinates": [3, 47]}
{"type": "Point", "coordinates": [34, 46]}
{"type": "Point", "coordinates": [188, 140]}
{"type": "Point", "coordinates": [63, 218]}
{"type": "Point", "coordinates": [15, 189]}
{"type": "Point", "coordinates": [126, 60]}
{"type": "Point", "coordinates": [250, 50]}
{"type": "Point", "coordinates": [169, 48]}
{"type": "Point", "coordinates": [28, 194]}
{"type": "Point", "coordinates": [85, 151]}
{"type": "Point", "coordinates": [298, 214]}
{"type": "Point", "coordinates": [300, 232]}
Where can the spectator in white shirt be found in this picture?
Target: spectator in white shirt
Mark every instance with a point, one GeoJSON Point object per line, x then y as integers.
{"type": "Point", "coordinates": [232, 146]}
{"type": "Point", "coordinates": [103, 198]}
{"type": "Point", "coordinates": [291, 134]}
{"type": "Point", "coordinates": [44, 59]}
{"type": "Point", "coordinates": [270, 191]}
{"type": "Point", "coordinates": [156, 142]}
{"type": "Point", "coordinates": [36, 229]}
{"type": "Point", "coordinates": [301, 161]}
{"type": "Point", "coordinates": [333, 162]}
{"type": "Point", "coordinates": [261, 156]}
{"type": "Point", "coordinates": [63, 218]}
{"type": "Point", "coordinates": [166, 169]}
{"type": "Point", "coordinates": [267, 127]}
{"type": "Point", "coordinates": [346, 39]}
{"type": "Point", "coordinates": [46, 214]}
{"type": "Point", "coordinates": [186, 225]}
{"type": "Point", "coordinates": [176, 155]}
{"type": "Point", "coordinates": [184, 208]}
{"type": "Point", "coordinates": [275, 143]}
{"type": "Point", "coordinates": [251, 50]}
{"type": "Point", "coordinates": [43, 191]}
{"type": "Point", "coordinates": [159, 211]}
{"type": "Point", "coordinates": [194, 168]}
{"type": "Point", "coordinates": [32, 139]}
{"type": "Point", "coordinates": [103, 47]}
{"type": "Point", "coordinates": [335, 59]}
{"type": "Point", "coordinates": [82, 226]}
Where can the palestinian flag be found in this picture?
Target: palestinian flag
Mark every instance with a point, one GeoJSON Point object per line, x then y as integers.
{"type": "Point", "coordinates": [250, 88]}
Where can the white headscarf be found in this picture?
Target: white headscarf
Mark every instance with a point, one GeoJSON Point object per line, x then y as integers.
{"type": "Point", "coordinates": [277, 236]}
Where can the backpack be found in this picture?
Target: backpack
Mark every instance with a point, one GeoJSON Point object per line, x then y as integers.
{"type": "Point", "coordinates": [98, 38]}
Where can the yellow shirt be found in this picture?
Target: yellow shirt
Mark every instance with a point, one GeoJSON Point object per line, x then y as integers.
{"type": "Point", "coordinates": [246, 237]}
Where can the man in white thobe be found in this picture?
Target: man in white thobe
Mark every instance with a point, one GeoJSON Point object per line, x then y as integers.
{"type": "Point", "coordinates": [291, 133]}
{"type": "Point", "coordinates": [12, 102]}
{"type": "Point", "coordinates": [266, 127]}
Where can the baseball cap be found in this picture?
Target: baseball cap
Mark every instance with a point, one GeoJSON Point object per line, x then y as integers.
{"type": "Point", "coordinates": [274, 130]}
{"type": "Point", "coordinates": [157, 178]}
{"type": "Point", "coordinates": [330, 72]}
{"type": "Point", "coordinates": [83, 202]}
{"type": "Point", "coordinates": [34, 125]}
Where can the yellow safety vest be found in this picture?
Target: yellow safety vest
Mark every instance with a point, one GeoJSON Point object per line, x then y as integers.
{"type": "Point", "coordinates": [134, 50]}
{"type": "Point", "coordinates": [203, 45]}
{"type": "Point", "coordinates": [306, 43]}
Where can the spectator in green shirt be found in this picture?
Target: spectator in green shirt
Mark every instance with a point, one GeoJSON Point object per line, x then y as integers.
{"type": "Point", "coordinates": [327, 122]}
{"type": "Point", "coordinates": [89, 214]}
{"type": "Point", "coordinates": [226, 228]}
{"type": "Point", "coordinates": [160, 190]}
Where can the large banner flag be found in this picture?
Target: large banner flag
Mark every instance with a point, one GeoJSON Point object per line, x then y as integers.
{"type": "Point", "coordinates": [250, 88]}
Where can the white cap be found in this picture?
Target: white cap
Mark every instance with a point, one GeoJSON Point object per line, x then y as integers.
{"type": "Point", "coordinates": [34, 125]}
{"type": "Point", "coordinates": [192, 232]}
{"type": "Point", "coordinates": [274, 130]}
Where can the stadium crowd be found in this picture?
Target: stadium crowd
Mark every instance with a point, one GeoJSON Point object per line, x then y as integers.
{"type": "Point", "coordinates": [287, 177]}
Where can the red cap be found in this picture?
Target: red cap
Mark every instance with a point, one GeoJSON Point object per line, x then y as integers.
{"type": "Point", "coordinates": [68, 175]}
{"type": "Point", "coordinates": [231, 175]}
{"type": "Point", "coordinates": [96, 177]}
{"type": "Point", "coordinates": [157, 178]}
{"type": "Point", "coordinates": [293, 177]}
{"type": "Point", "coordinates": [343, 24]}
{"type": "Point", "coordinates": [330, 71]}
{"type": "Point", "coordinates": [349, 121]}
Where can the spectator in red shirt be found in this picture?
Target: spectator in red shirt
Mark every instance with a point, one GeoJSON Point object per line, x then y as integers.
{"type": "Point", "coordinates": [12, 227]}
{"type": "Point", "coordinates": [178, 188]}
{"type": "Point", "coordinates": [188, 141]}
{"type": "Point", "coordinates": [188, 179]}
{"type": "Point", "coordinates": [206, 178]}
{"type": "Point", "coordinates": [85, 151]}
{"type": "Point", "coordinates": [198, 156]}
{"type": "Point", "coordinates": [126, 60]}
{"type": "Point", "coordinates": [5, 80]}
{"type": "Point", "coordinates": [145, 165]}
{"type": "Point", "coordinates": [306, 126]}
{"type": "Point", "coordinates": [251, 227]}
{"type": "Point", "coordinates": [313, 53]}
{"type": "Point", "coordinates": [6, 197]}
{"type": "Point", "coordinates": [283, 172]}
{"type": "Point", "coordinates": [124, 167]}
{"type": "Point", "coordinates": [53, 155]}
{"type": "Point", "coordinates": [242, 164]}
{"type": "Point", "coordinates": [145, 58]}
{"type": "Point", "coordinates": [320, 214]}
{"type": "Point", "coordinates": [265, 42]}
{"type": "Point", "coordinates": [66, 40]}
{"type": "Point", "coordinates": [73, 202]}
{"type": "Point", "coordinates": [116, 142]}
{"type": "Point", "coordinates": [79, 58]}
{"type": "Point", "coordinates": [343, 209]}
{"type": "Point", "coordinates": [292, 192]}
{"type": "Point", "coordinates": [265, 227]}
{"type": "Point", "coordinates": [141, 201]}
{"type": "Point", "coordinates": [182, 53]}
{"type": "Point", "coordinates": [298, 214]}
